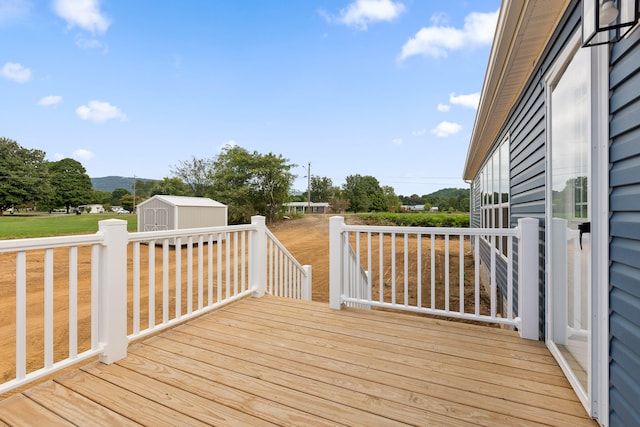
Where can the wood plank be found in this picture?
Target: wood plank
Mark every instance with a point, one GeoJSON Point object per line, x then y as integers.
{"type": "Point", "coordinates": [532, 406]}
{"type": "Point", "coordinates": [407, 322]}
{"type": "Point", "coordinates": [126, 403]}
{"type": "Point", "coordinates": [473, 407]}
{"type": "Point", "coordinates": [173, 397]}
{"type": "Point", "coordinates": [19, 410]}
{"type": "Point", "coordinates": [386, 333]}
{"type": "Point", "coordinates": [356, 397]}
{"type": "Point", "coordinates": [261, 409]}
{"type": "Point", "coordinates": [252, 382]}
{"type": "Point", "coordinates": [417, 358]}
{"type": "Point", "coordinates": [74, 407]}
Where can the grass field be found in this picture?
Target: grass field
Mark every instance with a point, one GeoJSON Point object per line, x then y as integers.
{"type": "Point", "coordinates": [44, 225]}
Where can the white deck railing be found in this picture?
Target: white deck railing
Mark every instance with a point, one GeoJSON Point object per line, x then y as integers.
{"type": "Point", "coordinates": [119, 287]}
{"type": "Point", "coordinates": [435, 271]}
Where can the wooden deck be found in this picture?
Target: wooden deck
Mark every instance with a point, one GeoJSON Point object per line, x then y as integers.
{"type": "Point", "coordinates": [273, 361]}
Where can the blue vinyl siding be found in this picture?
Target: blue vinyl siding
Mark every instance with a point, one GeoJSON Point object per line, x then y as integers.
{"type": "Point", "coordinates": [624, 229]}
{"type": "Point", "coordinates": [526, 128]}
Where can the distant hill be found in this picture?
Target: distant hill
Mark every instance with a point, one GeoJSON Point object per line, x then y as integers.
{"type": "Point", "coordinates": [110, 183]}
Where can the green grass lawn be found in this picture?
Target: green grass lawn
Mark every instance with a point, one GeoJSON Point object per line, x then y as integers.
{"type": "Point", "coordinates": [44, 225]}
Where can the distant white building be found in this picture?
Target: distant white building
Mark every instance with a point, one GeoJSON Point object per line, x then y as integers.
{"type": "Point", "coordinates": [302, 207]}
{"type": "Point", "coordinates": [93, 208]}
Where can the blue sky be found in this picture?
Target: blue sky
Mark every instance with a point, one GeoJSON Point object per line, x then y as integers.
{"type": "Point", "coordinates": [373, 87]}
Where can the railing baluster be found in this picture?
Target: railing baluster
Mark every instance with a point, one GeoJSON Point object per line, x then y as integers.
{"type": "Point", "coordinates": [210, 269]}
{"type": "Point", "coordinates": [494, 287]}
{"type": "Point", "coordinates": [221, 236]}
{"type": "Point", "coordinates": [73, 302]}
{"type": "Point", "coordinates": [461, 272]}
{"type": "Point", "coordinates": [165, 280]}
{"type": "Point", "coordinates": [227, 261]}
{"type": "Point", "coordinates": [446, 272]}
{"type": "Point", "coordinates": [419, 269]}
{"type": "Point", "coordinates": [406, 268]}
{"type": "Point", "coordinates": [152, 284]}
{"type": "Point", "coordinates": [235, 263]}
{"type": "Point", "coordinates": [369, 267]}
{"type": "Point", "coordinates": [381, 266]}
{"type": "Point", "coordinates": [189, 275]}
{"type": "Point", "coordinates": [136, 287]}
{"type": "Point", "coordinates": [393, 268]}
{"type": "Point", "coordinates": [243, 264]}
{"type": "Point", "coordinates": [21, 315]}
{"type": "Point", "coordinates": [95, 303]}
{"type": "Point", "coordinates": [200, 272]}
{"type": "Point", "coordinates": [178, 251]}
{"type": "Point", "coordinates": [433, 271]}
{"type": "Point", "coordinates": [48, 308]}
{"type": "Point", "coordinates": [510, 278]}
{"type": "Point", "coordinates": [476, 254]}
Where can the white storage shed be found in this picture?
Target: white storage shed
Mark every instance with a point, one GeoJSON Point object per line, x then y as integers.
{"type": "Point", "coordinates": [179, 212]}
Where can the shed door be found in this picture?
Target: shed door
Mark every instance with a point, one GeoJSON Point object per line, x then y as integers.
{"type": "Point", "coordinates": [156, 219]}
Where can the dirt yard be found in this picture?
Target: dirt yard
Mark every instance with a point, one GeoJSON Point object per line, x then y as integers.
{"type": "Point", "coordinates": [306, 238]}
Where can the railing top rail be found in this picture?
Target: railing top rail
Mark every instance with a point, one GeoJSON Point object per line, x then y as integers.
{"type": "Point", "coordinates": [433, 230]}
{"type": "Point", "coordinates": [186, 232]}
{"type": "Point", "coordinates": [275, 240]}
{"type": "Point", "coordinates": [35, 243]}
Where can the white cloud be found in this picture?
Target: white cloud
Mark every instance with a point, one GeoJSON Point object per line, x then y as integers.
{"type": "Point", "coordinates": [79, 154]}
{"type": "Point", "coordinates": [50, 100]}
{"type": "Point", "coordinates": [85, 14]}
{"type": "Point", "coordinates": [443, 108]}
{"type": "Point", "coordinates": [420, 132]}
{"type": "Point", "coordinates": [11, 10]}
{"type": "Point", "coordinates": [397, 141]}
{"type": "Point", "coordinates": [361, 13]}
{"type": "Point", "coordinates": [97, 111]}
{"type": "Point", "coordinates": [82, 154]}
{"type": "Point", "coordinates": [436, 41]}
{"type": "Point", "coordinates": [16, 72]}
{"type": "Point", "coordinates": [471, 100]}
{"type": "Point", "coordinates": [445, 129]}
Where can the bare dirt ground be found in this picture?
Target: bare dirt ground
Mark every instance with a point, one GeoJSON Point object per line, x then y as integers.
{"type": "Point", "coordinates": [307, 239]}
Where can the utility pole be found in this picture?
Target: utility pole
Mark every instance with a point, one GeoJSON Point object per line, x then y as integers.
{"type": "Point", "coordinates": [309, 188]}
{"type": "Point", "coordinates": [134, 194]}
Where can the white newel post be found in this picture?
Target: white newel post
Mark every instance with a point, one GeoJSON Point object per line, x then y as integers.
{"type": "Point", "coordinates": [112, 311]}
{"type": "Point", "coordinates": [336, 223]}
{"type": "Point", "coordinates": [258, 257]}
{"type": "Point", "coordinates": [306, 283]}
{"type": "Point", "coordinates": [528, 306]}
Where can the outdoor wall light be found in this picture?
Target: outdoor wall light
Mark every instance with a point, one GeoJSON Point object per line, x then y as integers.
{"type": "Point", "coordinates": [607, 21]}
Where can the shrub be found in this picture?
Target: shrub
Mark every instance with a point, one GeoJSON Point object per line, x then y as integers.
{"type": "Point", "coordinates": [459, 220]}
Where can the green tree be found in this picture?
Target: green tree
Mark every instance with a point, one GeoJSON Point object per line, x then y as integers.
{"type": "Point", "coordinates": [117, 194]}
{"type": "Point", "coordinates": [251, 183]}
{"type": "Point", "coordinates": [196, 173]}
{"type": "Point", "coordinates": [23, 175]}
{"type": "Point", "coordinates": [364, 194]}
{"type": "Point", "coordinates": [321, 188]}
{"type": "Point", "coordinates": [171, 187]}
{"type": "Point", "coordinates": [70, 183]}
{"type": "Point", "coordinates": [391, 199]}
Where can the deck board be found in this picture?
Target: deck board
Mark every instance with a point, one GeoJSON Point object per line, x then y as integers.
{"type": "Point", "coordinates": [273, 361]}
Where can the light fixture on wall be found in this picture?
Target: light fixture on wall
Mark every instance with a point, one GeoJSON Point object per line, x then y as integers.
{"type": "Point", "coordinates": [607, 21]}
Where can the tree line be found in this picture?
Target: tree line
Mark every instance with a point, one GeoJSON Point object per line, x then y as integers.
{"type": "Point", "coordinates": [249, 183]}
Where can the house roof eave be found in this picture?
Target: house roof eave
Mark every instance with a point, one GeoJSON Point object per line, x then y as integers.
{"type": "Point", "coordinates": [522, 33]}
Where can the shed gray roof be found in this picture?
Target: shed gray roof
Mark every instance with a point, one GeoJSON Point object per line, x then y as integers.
{"type": "Point", "coordinates": [186, 201]}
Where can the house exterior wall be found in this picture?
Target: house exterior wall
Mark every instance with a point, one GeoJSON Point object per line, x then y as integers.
{"type": "Point", "coordinates": [624, 226]}
{"type": "Point", "coordinates": [525, 128]}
